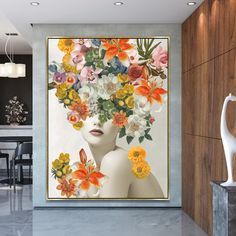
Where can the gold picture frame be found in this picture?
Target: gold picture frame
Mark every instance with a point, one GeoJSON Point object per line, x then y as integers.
{"type": "Point", "coordinates": [167, 197]}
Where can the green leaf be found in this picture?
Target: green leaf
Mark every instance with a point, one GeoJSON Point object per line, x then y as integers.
{"type": "Point", "coordinates": [141, 53]}
{"type": "Point", "coordinates": [88, 64]}
{"type": "Point", "coordinates": [151, 49]}
{"type": "Point", "coordinates": [122, 132]}
{"type": "Point", "coordinates": [51, 85]}
{"type": "Point", "coordinates": [141, 138]}
{"type": "Point", "coordinates": [148, 136]}
{"type": "Point", "coordinates": [155, 72]}
{"type": "Point", "coordinates": [163, 76]}
{"type": "Point", "coordinates": [151, 42]}
{"type": "Point", "coordinates": [145, 44]}
{"type": "Point", "coordinates": [138, 44]}
{"type": "Point", "coordinates": [147, 130]}
{"type": "Point", "coordinates": [100, 64]}
{"type": "Point", "coordinates": [103, 52]}
{"type": "Point", "coordinates": [95, 52]}
{"type": "Point", "coordinates": [129, 139]}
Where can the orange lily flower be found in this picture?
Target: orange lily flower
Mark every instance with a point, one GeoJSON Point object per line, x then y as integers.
{"type": "Point", "coordinates": [87, 173]}
{"type": "Point", "coordinates": [151, 91]}
{"type": "Point", "coordinates": [88, 177]}
{"type": "Point", "coordinates": [116, 47]}
{"type": "Point", "coordinates": [67, 187]}
{"type": "Point", "coordinates": [81, 108]}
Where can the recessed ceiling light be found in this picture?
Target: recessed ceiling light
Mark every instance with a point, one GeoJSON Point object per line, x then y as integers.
{"type": "Point", "coordinates": [118, 3]}
{"type": "Point", "coordinates": [191, 3]}
{"type": "Point", "coordinates": [34, 4]}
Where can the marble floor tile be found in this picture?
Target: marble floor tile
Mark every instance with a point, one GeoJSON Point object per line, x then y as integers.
{"type": "Point", "coordinates": [17, 217]}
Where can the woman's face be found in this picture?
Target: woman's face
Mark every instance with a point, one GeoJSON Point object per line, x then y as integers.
{"type": "Point", "coordinates": [97, 134]}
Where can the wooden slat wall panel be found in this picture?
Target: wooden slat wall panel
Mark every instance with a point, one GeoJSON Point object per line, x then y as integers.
{"type": "Point", "coordinates": [209, 32]}
{"type": "Point", "coordinates": [209, 74]}
{"type": "Point", "coordinates": [195, 38]}
{"type": "Point", "coordinates": [198, 171]}
{"type": "Point", "coordinates": [222, 26]}
{"type": "Point", "coordinates": [224, 83]}
{"type": "Point", "coordinates": [197, 92]}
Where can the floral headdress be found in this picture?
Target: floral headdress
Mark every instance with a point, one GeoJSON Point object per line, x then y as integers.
{"type": "Point", "coordinates": [118, 79]}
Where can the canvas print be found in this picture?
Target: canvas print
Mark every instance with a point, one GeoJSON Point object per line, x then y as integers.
{"type": "Point", "coordinates": [108, 118]}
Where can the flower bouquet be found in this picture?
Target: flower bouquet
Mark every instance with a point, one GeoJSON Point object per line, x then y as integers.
{"type": "Point", "coordinates": [117, 79]}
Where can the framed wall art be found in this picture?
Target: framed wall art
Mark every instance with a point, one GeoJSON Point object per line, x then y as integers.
{"type": "Point", "coordinates": [108, 118]}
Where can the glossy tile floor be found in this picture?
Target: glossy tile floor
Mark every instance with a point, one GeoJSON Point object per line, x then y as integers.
{"type": "Point", "coordinates": [18, 218]}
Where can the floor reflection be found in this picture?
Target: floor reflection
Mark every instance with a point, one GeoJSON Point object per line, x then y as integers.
{"type": "Point", "coordinates": [18, 218]}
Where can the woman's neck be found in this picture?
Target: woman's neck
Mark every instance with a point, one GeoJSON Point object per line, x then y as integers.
{"type": "Point", "coordinates": [100, 151]}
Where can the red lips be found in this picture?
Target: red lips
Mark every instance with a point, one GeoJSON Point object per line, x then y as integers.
{"type": "Point", "coordinates": [96, 132]}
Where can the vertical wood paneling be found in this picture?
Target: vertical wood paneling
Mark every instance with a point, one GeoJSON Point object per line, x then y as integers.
{"type": "Point", "coordinates": [224, 83]}
{"type": "Point", "coordinates": [209, 74]}
{"type": "Point", "coordinates": [208, 32]}
{"type": "Point", "coordinates": [195, 38]}
{"type": "Point", "coordinates": [222, 26]}
{"type": "Point", "coordinates": [197, 92]}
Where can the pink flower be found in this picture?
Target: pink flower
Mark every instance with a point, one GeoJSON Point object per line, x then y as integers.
{"type": "Point", "coordinates": [73, 117]}
{"type": "Point", "coordinates": [82, 45]}
{"type": "Point", "coordinates": [89, 75]}
{"type": "Point", "coordinates": [59, 78]}
{"type": "Point", "coordinates": [151, 119]}
{"type": "Point", "coordinates": [71, 79]}
{"type": "Point", "coordinates": [133, 57]}
{"type": "Point", "coordinates": [160, 57]}
{"type": "Point", "coordinates": [78, 59]}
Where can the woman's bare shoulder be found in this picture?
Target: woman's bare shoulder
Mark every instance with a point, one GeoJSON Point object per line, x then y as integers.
{"type": "Point", "coordinates": [117, 159]}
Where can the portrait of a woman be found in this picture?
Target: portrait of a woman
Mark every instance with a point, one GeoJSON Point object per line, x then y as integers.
{"type": "Point", "coordinates": [108, 118]}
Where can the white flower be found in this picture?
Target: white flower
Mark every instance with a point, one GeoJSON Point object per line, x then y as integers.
{"type": "Point", "coordinates": [141, 106]}
{"type": "Point", "coordinates": [136, 126]}
{"type": "Point", "coordinates": [107, 85]}
{"type": "Point", "coordinates": [133, 56]}
{"type": "Point", "coordinates": [88, 93]}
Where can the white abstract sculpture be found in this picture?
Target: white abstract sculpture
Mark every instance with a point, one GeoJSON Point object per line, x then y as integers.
{"type": "Point", "coordinates": [229, 142]}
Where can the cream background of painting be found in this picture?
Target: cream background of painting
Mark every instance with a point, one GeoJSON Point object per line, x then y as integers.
{"type": "Point", "coordinates": [64, 138]}
{"type": "Point", "coordinates": [41, 32]}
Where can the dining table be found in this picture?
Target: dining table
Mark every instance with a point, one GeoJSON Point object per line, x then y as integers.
{"type": "Point", "coordinates": [18, 140]}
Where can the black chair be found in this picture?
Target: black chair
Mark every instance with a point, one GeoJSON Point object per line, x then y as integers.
{"type": "Point", "coordinates": [18, 160]}
{"type": "Point", "coordinates": [6, 156]}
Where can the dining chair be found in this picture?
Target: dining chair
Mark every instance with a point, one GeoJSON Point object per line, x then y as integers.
{"type": "Point", "coordinates": [18, 160]}
{"type": "Point", "coordinates": [6, 156]}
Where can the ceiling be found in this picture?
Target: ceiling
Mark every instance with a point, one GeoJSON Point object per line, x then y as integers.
{"type": "Point", "coordinates": [17, 16]}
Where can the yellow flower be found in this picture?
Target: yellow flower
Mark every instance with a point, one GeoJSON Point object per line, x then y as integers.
{"type": "Point", "coordinates": [73, 95]}
{"type": "Point", "coordinates": [121, 103]}
{"type": "Point", "coordinates": [66, 170]}
{"type": "Point", "coordinates": [122, 78]}
{"type": "Point", "coordinates": [56, 164]}
{"type": "Point", "coordinates": [137, 154]}
{"type": "Point", "coordinates": [78, 125]}
{"type": "Point", "coordinates": [59, 174]}
{"type": "Point", "coordinates": [66, 60]}
{"type": "Point", "coordinates": [66, 45]}
{"type": "Point", "coordinates": [141, 169]}
{"type": "Point", "coordinates": [61, 92]}
{"type": "Point", "coordinates": [120, 93]}
{"type": "Point", "coordinates": [128, 89]}
{"type": "Point", "coordinates": [66, 101]}
{"type": "Point", "coordinates": [64, 158]}
{"type": "Point", "coordinates": [130, 102]}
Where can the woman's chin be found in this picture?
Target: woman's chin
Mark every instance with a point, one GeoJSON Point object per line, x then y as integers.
{"type": "Point", "coordinates": [94, 140]}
